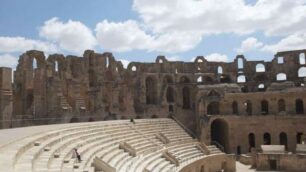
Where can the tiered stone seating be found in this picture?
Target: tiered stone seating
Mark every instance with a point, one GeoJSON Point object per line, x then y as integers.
{"type": "Point", "coordinates": [52, 151]}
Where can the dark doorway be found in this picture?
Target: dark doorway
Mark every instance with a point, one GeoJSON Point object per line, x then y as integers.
{"type": "Point", "coordinates": [238, 150]}
{"type": "Point", "coordinates": [219, 133]}
{"type": "Point", "coordinates": [170, 95]}
{"type": "Point", "coordinates": [283, 139]}
{"type": "Point", "coordinates": [251, 141]}
{"type": "Point", "coordinates": [248, 107]}
{"type": "Point", "coordinates": [264, 107]}
{"type": "Point", "coordinates": [186, 98]}
{"type": "Point", "coordinates": [235, 107]}
{"type": "Point", "coordinates": [299, 107]}
{"type": "Point", "coordinates": [267, 139]}
{"type": "Point", "coordinates": [170, 108]}
{"type": "Point", "coordinates": [151, 91]}
{"type": "Point", "coordinates": [299, 137]}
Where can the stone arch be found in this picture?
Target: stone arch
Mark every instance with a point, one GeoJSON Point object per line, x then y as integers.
{"type": "Point", "coordinates": [240, 64]}
{"type": "Point", "coordinates": [170, 95]}
{"type": "Point", "coordinates": [168, 79]}
{"type": "Point", "coordinates": [161, 59]}
{"type": "Point", "coordinates": [252, 141]}
{"type": "Point", "coordinates": [241, 79]}
{"type": "Point", "coordinates": [302, 72]}
{"type": "Point", "coordinates": [219, 133]}
{"type": "Point", "coordinates": [200, 79]}
{"type": "Point", "coordinates": [264, 107]}
{"type": "Point", "coordinates": [281, 77]}
{"type": "Point", "coordinates": [225, 79]}
{"type": "Point", "coordinates": [151, 90]}
{"type": "Point", "coordinates": [267, 138]}
{"type": "Point", "coordinates": [283, 139]}
{"type": "Point", "coordinates": [213, 108]}
{"type": "Point", "coordinates": [186, 98]}
{"type": "Point", "coordinates": [220, 70]}
{"type": "Point", "coordinates": [299, 106]}
{"type": "Point", "coordinates": [260, 67]}
{"type": "Point", "coordinates": [235, 108]}
{"type": "Point", "coordinates": [281, 105]}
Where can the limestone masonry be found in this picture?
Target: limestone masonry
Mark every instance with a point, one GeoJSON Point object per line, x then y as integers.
{"type": "Point", "coordinates": [239, 105]}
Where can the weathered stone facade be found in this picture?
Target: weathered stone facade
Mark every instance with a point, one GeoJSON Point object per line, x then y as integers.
{"type": "Point", "coordinates": [243, 97]}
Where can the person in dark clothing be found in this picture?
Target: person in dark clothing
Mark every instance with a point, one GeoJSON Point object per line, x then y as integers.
{"type": "Point", "coordinates": [77, 155]}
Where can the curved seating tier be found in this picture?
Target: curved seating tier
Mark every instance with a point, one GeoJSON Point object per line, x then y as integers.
{"type": "Point", "coordinates": [52, 151]}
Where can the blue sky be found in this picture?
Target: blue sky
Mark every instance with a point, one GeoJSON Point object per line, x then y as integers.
{"type": "Point", "coordinates": [139, 30]}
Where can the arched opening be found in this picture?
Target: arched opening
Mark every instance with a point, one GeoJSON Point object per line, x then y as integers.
{"type": "Point", "coordinates": [238, 151]}
{"type": "Point", "coordinates": [219, 133]}
{"type": "Point", "coordinates": [267, 139]}
{"type": "Point", "coordinates": [151, 90]}
{"type": "Point", "coordinates": [30, 100]}
{"type": "Point", "coordinates": [235, 107]}
{"type": "Point", "coordinates": [241, 79]}
{"type": "Point", "coordinates": [260, 68]}
{"type": "Point", "coordinates": [91, 119]}
{"type": "Point", "coordinates": [280, 60]}
{"type": "Point", "coordinates": [281, 105]}
{"type": "Point", "coordinates": [168, 79]}
{"type": "Point", "coordinates": [106, 62]}
{"type": "Point", "coordinates": [283, 139]}
{"type": "Point", "coordinates": [248, 107]}
{"type": "Point", "coordinates": [56, 66]}
{"type": "Point", "coordinates": [74, 120]}
{"type": "Point", "coordinates": [302, 72]}
{"type": "Point", "coordinates": [200, 79]}
{"type": "Point", "coordinates": [302, 58]}
{"type": "Point", "coordinates": [170, 95]}
{"type": "Point", "coordinates": [251, 141]}
{"type": "Point", "coordinates": [213, 108]}
{"type": "Point", "coordinates": [299, 138]}
{"type": "Point", "coordinates": [299, 106]}
{"type": "Point", "coordinates": [134, 68]}
{"type": "Point", "coordinates": [186, 98]}
{"type": "Point", "coordinates": [240, 63]}
{"type": "Point", "coordinates": [264, 107]}
{"type": "Point", "coordinates": [170, 108]}
{"type": "Point", "coordinates": [261, 87]}
{"type": "Point", "coordinates": [281, 77]}
{"type": "Point", "coordinates": [220, 70]}
{"type": "Point", "coordinates": [34, 64]}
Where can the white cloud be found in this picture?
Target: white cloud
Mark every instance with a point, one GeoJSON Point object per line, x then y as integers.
{"type": "Point", "coordinates": [122, 36]}
{"type": "Point", "coordinates": [249, 44]}
{"type": "Point", "coordinates": [128, 35]}
{"type": "Point", "coordinates": [71, 36]}
{"type": "Point", "coordinates": [216, 57]}
{"type": "Point", "coordinates": [7, 60]}
{"type": "Point", "coordinates": [124, 62]}
{"type": "Point", "coordinates": [21, 44]}
{"type": "Point", "coordinates": [273, 17]}
{"type": "Point", "coordinates": [291, 42]}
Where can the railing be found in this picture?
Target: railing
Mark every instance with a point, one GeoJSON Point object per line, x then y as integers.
{"type": "Point", "coordinates": [184, 127]}
{"type": "Point", "coordinates": [218, 145]}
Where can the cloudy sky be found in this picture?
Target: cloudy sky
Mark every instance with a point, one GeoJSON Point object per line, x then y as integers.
{"type": "Point", "coordinates": [139, 30]}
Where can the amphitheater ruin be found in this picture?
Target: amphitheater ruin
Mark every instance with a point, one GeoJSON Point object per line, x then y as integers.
{"type": "Point", "coordinates": [198, 116]}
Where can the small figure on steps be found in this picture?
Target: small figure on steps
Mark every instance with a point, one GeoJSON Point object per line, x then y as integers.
{"type": "Point", "coordinates": [76, 155]}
